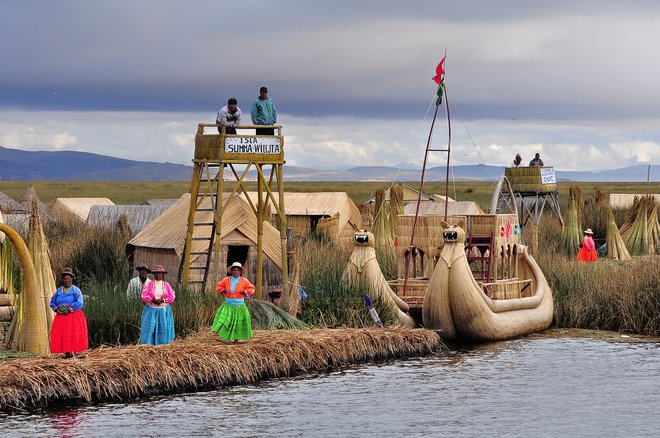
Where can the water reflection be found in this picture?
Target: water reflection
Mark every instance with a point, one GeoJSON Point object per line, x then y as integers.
{"type": "Point", "coordinates": [529, 387]}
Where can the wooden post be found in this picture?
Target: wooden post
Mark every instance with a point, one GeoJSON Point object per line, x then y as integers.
{"type": "Point", "coordinates": [282, 216]}
{"type": "Point", "coordinates": [194, 191]}
{"type": "Point", "coordinates": [260, 231]}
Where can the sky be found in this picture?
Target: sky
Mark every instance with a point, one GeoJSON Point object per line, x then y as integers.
{"type": "Point", "coordinates": [576, 81]}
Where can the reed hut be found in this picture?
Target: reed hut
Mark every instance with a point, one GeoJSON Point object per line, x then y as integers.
{"type": "Point", "coordinates": [138, 216]}
{"type": "Point", "coordinates": [19, 222]}
{"type": "Point", "coordinates": [75, 209]}
{"type": "Point", "coordinates": [9, 205]}
{"type": "Point", "coordinates": [627, 200]}
{"type": "Point", "coordinates": [166, 202]}
{"type": "Point", "coordinates": [162, 241]}
{"type": "Point", "coordinates": [333, 213]}
{"type": "Point", "coordinates": [29, 196]}
{"type": "Point", "coordinates": [408, 195]}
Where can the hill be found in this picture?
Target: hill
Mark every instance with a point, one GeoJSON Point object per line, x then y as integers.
{"type": "Point", "coordinates": [16, 164]}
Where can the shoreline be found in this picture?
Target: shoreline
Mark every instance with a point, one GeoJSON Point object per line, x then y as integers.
{"type": "Point", "coordinates": [198, 363]}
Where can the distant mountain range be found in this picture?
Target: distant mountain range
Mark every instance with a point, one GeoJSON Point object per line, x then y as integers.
{"type": "Point", "coordinates": [16, 164]}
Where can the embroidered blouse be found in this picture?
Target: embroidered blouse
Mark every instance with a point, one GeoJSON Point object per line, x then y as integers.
{"type": "Point", "coordinates": [73, 297]}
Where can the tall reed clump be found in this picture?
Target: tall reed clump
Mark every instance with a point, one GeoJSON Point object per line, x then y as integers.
{"type": "Point", "coordinates": [608, 295]}
{"type": "Point", "coordinates": [594, 214]}
{"type": "Point", "coordinates": [331, 303]}
{"type": "Point", "coordinates": [570, 237]}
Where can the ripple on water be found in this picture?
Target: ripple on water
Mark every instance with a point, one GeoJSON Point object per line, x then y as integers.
{"type": "Point", "coordinates": [526, 387]}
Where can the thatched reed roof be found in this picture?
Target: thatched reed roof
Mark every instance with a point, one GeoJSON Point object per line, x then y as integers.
{"type": "Point", "coordinates": [139, 216]}
{"type": "Point", "coordinates": [409, 195]}
{"type": "Point", "coordinates": [20, 222]}
{"type": "Point", "coordinates": [456, 208]}
{"type": "Point", "coordinates": [625, 200]}
{"type": "Point", "coordinates": [74, 208]}
{"type": "Point", "coordinates": [26, 202]}
{"type": "Point", "coordinates": [199, 363]}
{"type": "Point", "coordinates": [320, 204]}
{"type": "Point", "coordinates": [168, 231]}
{"type": "Point", "coordinates": [166, 202]}
{"type": "Point", "coordinates": [9, 205]}
{"type": "Point", "coordinates": [441, 198]}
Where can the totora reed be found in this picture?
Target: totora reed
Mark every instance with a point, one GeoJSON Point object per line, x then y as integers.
{"type": "Point", "coordinates": [198, 363]}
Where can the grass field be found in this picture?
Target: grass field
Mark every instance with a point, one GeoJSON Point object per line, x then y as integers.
{"type": "Point", "coordinates": [605, 295]}
{"type": "Point", "coordinates": [136, 192]}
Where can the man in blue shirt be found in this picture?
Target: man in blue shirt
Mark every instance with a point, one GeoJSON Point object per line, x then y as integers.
{"type": "Point", "coordinates": [264, 113]}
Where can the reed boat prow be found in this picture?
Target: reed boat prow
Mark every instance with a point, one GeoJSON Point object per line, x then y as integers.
{"type": "Point", "coordinates": [461, 308]}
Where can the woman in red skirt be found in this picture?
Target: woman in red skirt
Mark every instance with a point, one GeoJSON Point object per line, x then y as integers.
{"type": "Point", "coordinates": [69, 332]}
{"type": "Point", "coordinates": [587, 251]}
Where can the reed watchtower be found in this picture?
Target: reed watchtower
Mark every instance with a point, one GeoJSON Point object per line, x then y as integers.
{"type": "Point", "coordinates": [232, 156]}
{"type": "Point", "coordinates": [529, 190]}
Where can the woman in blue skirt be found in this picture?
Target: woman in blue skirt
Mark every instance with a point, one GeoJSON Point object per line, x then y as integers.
{"type": "Point", "coordinates": [157, 320]}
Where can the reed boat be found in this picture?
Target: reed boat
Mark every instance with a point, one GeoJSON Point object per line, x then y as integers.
{"type": "Point", "coordinates": [467, 275]}
{"type": "Point", "coordinates": [471, 278]}
{"type": "Point", "coordinates": [462, 308]}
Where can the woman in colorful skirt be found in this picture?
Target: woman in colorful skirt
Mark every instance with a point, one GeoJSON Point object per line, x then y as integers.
{"type": "Point", "coordinates": [68, 334]}
{"type": "Point", "coordinates": [157, 320]}
{"type": "Point", "coordinates": [232, 321]}
{"type": "Point", "coordinates": [587, 251]}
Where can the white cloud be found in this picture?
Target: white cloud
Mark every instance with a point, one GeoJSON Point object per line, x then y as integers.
{"type": "Point", "coordinates": [332, 142]}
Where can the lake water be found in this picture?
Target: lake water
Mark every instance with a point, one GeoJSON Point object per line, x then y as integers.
{"type": "Point", "coordinates": [529, 387]}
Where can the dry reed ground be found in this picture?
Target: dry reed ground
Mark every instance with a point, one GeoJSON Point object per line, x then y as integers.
{"type": "Point", "coordinates": [199, 362]}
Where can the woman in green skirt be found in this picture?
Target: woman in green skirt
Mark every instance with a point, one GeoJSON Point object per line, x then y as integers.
{"type": "Point", "coordinates": [232, 321]}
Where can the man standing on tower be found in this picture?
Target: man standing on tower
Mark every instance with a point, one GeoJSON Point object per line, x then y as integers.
{"type": "Point", "coordinates": [264, 113]}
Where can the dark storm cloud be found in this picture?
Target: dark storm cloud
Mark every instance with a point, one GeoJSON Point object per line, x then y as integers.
{"type": "Point", "coordinates": [358, 58]}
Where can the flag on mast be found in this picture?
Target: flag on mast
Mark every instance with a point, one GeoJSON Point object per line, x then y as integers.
{"type": "Point", "coordinates": [439, 79]}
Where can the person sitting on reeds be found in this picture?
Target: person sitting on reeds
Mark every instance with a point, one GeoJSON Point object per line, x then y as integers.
{"type": "Point", "coordinates": [68, 334]}
{"type": "Point", "coordinates": [157, 325]}
{"type": "Point", "coordinates": [232, 320]}
{"type": "Point", "coordinates": [137, 284]}
{"type": "Point", "coordinates": [587, 251]}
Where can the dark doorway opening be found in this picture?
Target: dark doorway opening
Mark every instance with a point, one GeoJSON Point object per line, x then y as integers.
{"type": "Point", "coordinates": [237, 253]}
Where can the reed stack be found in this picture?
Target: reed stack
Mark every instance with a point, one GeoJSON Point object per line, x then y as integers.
{"type": "Point", "coordinates": [199, 363]}
{"type": "Point", "coordinates": [616, 248]}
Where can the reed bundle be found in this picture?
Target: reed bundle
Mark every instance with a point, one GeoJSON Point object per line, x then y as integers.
{"type": "Point", "coordinates": [382, 224]}
{"type": "Point", "coordinates": [636, 235]}
{"type": "Point", "coordinates": [199, 363]}
{"type": "Point", "coordinates": [654, 232]}
{"type": "Point", "coordinates": [396, 209]}
{"type": "Point", "coordinates": [38, 247]}
{"type": "Point", "coordinates": [616, 248]}
{"type": "Point", "coordinates": [290, 301]}
{"type": "Point", "coordinates": [570, 236]}
{"type": "Point", "coordinates": [266, 315]}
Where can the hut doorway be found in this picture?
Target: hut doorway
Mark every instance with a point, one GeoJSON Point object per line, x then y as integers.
{"type": "Point", "coordinates": [237, 253]}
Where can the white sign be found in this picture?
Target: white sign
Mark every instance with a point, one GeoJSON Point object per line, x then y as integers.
{"type": "Point", "coordinates": [253, 145]}
{"type": "Point", "coordinates": [548, 176]}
